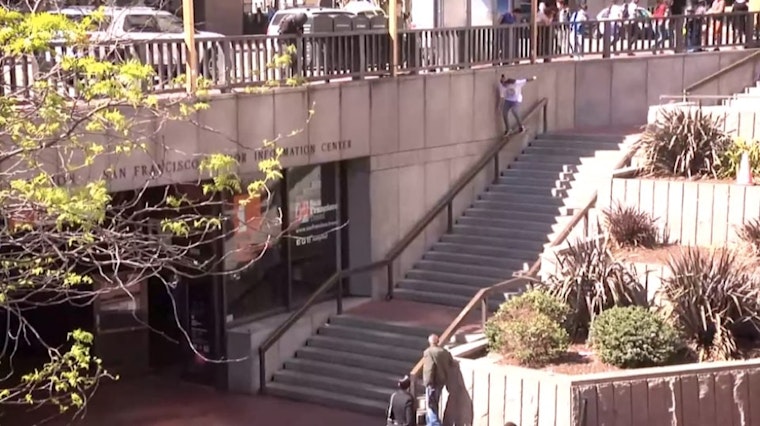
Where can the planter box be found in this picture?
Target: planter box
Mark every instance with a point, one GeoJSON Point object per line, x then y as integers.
{"type": "Point", "coordinates": [686, 395]}
{"type": "Point", "coordinates": [737, 121]}
{"type": "Point", "coordinates": [704, 214]}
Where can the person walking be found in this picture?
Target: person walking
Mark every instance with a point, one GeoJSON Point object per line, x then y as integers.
{"type": "Point", "coordinates": [510, 98]}
{"type": "Point", "coordinates": [578, 31]}
{"type": "Point", "coordinates": [401, 406]}
{"type": "Point", "coordinates": [437, 363]}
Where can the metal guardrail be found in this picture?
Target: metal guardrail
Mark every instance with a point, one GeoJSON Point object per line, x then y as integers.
{"type": "Point", "coordinates": [491, 156]}
{"type": "Point", "coordinates": [239, 61]}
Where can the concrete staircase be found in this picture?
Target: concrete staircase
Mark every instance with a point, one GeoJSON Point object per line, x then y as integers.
{"type": "Point", "coordinates": [511, 221]}
{"type": "Point", "coordinates": [351, 363]}
{"type": "Point", "coordinates": [750, 98]}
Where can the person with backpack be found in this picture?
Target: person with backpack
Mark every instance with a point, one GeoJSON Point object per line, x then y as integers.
{"type": "Point", "coordinates": [631, 24]}
{"type": "Point", "coordinates": [578, 31]}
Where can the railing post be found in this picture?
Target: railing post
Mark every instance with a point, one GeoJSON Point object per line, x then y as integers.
{"type": "Point", "coordinates": [262, 371]}
{"type": "Point", "coordinates": [585, 225]}
{"type": "Point", "coordinates": [607, 38]}
{"type": "Point", "coordinates": [544, 117]}
{"type": "Point", "coordinates": [484, 311]}
{"type": "Point", "coordinates": [496, 167]}
{"type": "Point", "coordinates": [339, 296]}
{"type": "Point", "coordinates": [449, 216]}
{"type": "Point", "coordinates": [678, 34]}
{"type": "Point", "coordinates": [389, 271]}
{"type": "Point", "coordinates": [393, 32]}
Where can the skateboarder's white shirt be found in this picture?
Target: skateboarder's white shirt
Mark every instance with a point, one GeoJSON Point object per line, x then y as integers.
{"type": "Point", "coordinates": [512, 92]}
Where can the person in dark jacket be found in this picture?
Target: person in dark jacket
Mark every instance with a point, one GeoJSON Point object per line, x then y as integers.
{"type": "Point", "coordinates": [293, 24]}
{"type": "Point", "coordinates": [401, 407]}
{"type": "Point", "coordinates": [437, 364]}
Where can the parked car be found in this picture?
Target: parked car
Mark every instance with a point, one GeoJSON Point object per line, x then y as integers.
{"type": "Point", "coordinates": [154, 36]}
{"type": "Point", "coordinates": [364, 8]}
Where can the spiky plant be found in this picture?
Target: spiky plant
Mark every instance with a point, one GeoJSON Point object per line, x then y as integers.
{"type": "Point", "coordinates": [590, 280]}
{"type": "Point", "coordinates": [749, 233]}
{"type": "Point", "coordinates": [684, 142]}
{"type": "Point", "coordinates": [712, 298]}
{"type": "Point", "coordinates": [627, 226]}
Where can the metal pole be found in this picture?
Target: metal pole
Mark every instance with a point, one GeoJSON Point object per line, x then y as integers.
{"type": "Point", "coordinates": [191, 60]}
{"type": "Point", "coordinates": [533, 31]}
{"type": "Point", "coordinates": [393, 32]}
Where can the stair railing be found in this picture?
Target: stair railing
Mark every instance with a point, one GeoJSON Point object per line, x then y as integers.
{"type": "Point", "coordinates": [491, 156]}
{"type": "Point", "coordinates": [721, 72]}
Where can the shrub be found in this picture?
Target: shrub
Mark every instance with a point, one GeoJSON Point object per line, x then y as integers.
{"type": "Point", "coordinates": [531, 301]}
{"type": "Point", "coordinates": [630, 227]}
{"type": "Point", "coordinates": [732, 157]}
{"type": "Point", "coordinates": [749, 232]}
{"type": "Point", "coordinates": [685, 143]}
{"type": "Point", "coordinates": [590, 281]}
{"type": "Point", "coordinates": [533, 338]}
{"type": "Point", "coordinates": [632, 337]}
{"type": "Point", "coordinates": [712, 298]}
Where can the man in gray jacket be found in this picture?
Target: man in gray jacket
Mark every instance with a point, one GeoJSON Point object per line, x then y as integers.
{"type": "Point", "coordinates": [437, 363]}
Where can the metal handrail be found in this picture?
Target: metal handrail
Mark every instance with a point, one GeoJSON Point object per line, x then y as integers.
{"type": "Point", "coordinates": [446, 202]}
{"type": "Point", "coordinates": [721, 72]}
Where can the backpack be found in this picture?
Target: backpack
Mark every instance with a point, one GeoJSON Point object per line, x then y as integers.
{"type": "Point", "coordinates": [626, 15]}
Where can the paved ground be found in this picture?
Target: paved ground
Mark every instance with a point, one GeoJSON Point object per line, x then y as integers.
{"type": "Point", "coordinates": [155, 401]}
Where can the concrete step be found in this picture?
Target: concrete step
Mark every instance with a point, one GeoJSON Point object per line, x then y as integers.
{"type": "Point", "coordinates": [483, 250]}
{"type": "Point", "coordinates": [584, 137]}
{"type": "Point", "coordinates": [444, 299]}
{"type": "Point", "coordinates": [364, 348]}
{"type": "Point", "coordinates": [529, 188]}
{"type": "Point", "coordinates": [544, 167]}
{"type": "Point", "coordinates": [569, 150]}
{"type": "Point", "coordinates": [552, 182]}
{"type": "Point", "coordinates": [325, 383]}
{"type": "Point", "coordinates": [440, 288]}
{"type": "Point", "coordinates": [524, 224]}
{"type": "Point", "coordinates": [348, 320]}
{"type": "Point", "coordinates": [482, 271]}
{"type": "Point", "coordinates": [518, 234]}
{"type": "Point", "coordinates": [360, 375]}
{"type": "Point", "coordinates": [539, 199]}
{"type": "Point", "coordinates": [331, 399]}
{"type": "Point", "coordinates": [474, 260]}
{"type": "Point", "coordinates": [373, 363]}
{"type": "Point", "coordinates": [522, 245]}
{"type": "Point", "coordinates": [450, 278]}
{"type": "Point", "coordinates": [372, 336]}
{"type": "Point", "coordinates": [528, 174]}
{"type": "Point", "coordinates": [504, 207]}
{"type": "Point", "coordinates": [516, 216]}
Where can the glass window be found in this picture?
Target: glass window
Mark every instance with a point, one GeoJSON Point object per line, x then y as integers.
{"type": "Point", "coordinates": [149, 23]}
{"type": "Point", "coordinates": [122, 308]}
{"type": "Point", "coordinates": [257, 260]}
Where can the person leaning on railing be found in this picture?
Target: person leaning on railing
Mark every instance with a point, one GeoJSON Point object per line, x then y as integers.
{"type": "Point", "coordinates": [740, 10]}
{"type": "Point", "coordinates": [292, 25]}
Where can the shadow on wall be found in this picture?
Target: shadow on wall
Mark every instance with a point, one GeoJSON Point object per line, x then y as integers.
{"type": "Point", "coordinates": [458, 410]}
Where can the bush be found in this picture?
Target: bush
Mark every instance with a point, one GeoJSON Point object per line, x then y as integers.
{"type": "Point", "coordinates": [590, 281]}
{"type": "Point", "coordinates": [713, 299]}
{"type": "Point", "coordinates": [632, 337]}
{"type": "Point", "coordinates": [732, 157]}
{"type": "Point", "coordinates": [749, 232]}
{"type": "Point", "coordinates": [684, 143]}
{"type": "Point", "coordinates": [533, 338]}
{"type": "Point", "coordinates": [630, 227]}
{"type": "Point", "coordinates": [531, 301]}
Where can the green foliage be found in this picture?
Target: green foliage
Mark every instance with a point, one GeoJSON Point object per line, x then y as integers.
{"type": "Point", "coordinates": [590, 281]}
{"type": "Point", "coordinates": [631, 227]}
{"type": "Point", "coordinates": [633, 337]}
{"type": "Point", "coordinates": [66, 238]}
{"type": "Point", "coordinates": [749, 233]}
{"type": "Point", "coordinates": [713, 299]}
{"type": "Point", "coordinates": [684, 142]}
{"type": "Point", "coordinates": [732, 157]}
{"type": "Point", "coordinates": [534, 339]}
{"type": "Point", "coordinates": [529, 328]}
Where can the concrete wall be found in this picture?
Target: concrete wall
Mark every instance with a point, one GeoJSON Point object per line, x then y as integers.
{"type": "Point", "coordinates": [705, 214]}
{"type": "Point", "coordinates": [686, 395]}
{"type": "Point", "coordinates": [695, 394]}
{"type": "Point", "coordinates": [495, 394]}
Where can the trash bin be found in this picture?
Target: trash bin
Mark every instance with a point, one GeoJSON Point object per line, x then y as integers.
{"type": "Point", "coordinates": [340, 45]}
{"type": "Point", "coordinates": [360, 44]}
{"type": "Point", "coordinates": [378, 51]}
{"type": "Point", "coordinates": [316, 44]}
